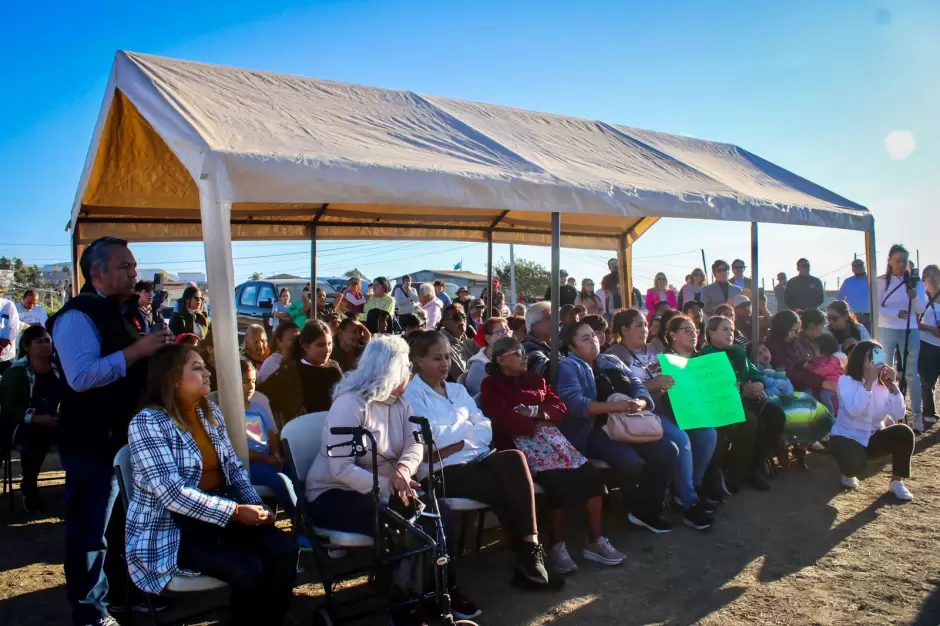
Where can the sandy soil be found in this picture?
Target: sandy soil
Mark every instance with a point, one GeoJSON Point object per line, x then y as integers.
{"type": "Point", "coordinates": [805, 553]}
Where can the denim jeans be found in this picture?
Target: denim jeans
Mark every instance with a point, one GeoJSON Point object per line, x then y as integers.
{"type": "Point", "coordinates": [696, 447]}
{"type": "Point", "coordinates": [266, 475]}
{"type": "Point", "coordinates": [644, 469]}
{"type": "Point", "coordinates": [91, 492]}
{"type": "Point", "coordinates": [892, 338]}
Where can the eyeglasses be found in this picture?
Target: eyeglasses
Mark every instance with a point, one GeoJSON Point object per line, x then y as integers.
{"type": "Point", "coordinates": [502, 332]}
{"type": "Point", "coordinates": [721, 270]}
{"type": "Point", "coordinates": [458, 317]}
{"type": "Point", "coordinates": [519, 352]}
{"type": "Point", "coordinates": [738, 267]}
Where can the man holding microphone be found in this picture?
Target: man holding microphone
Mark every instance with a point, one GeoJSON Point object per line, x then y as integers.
{"type": "Point", "coordinates": [104, 361]}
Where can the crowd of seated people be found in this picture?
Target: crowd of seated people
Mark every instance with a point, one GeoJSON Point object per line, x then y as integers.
{"type": "Point", "coordinates": [504, 430]}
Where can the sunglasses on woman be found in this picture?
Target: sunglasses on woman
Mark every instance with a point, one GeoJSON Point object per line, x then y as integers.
{"type": "Point", "coordinates": [519, 352]}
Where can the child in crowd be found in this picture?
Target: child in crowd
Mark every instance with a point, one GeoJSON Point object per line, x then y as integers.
{"type": "Point", "coordinates": [828, 364]}
{"type": "Point", "coordinates": [264, 443]}
{"type": "Point", "coordinates": [776, 382]}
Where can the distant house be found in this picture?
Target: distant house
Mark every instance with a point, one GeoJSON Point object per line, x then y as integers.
{"type": "Point", "coordinates": [474, 282]}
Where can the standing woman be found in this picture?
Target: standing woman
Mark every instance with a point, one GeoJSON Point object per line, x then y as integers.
{"type": "Point", "coordinates": [660, 293]}
{"type": "Point", "coordinates": [494, 329]}
{"type": "Point", "coordinates": [870, 405]}
{"type": "Point", "coordinates": [190, 318]}
{"type": "Point", "coordinates": [588, 299]}
{"type": "Point", "coordinates": [468, 468]}
{"type": "Point", "coordinates": [719, 337]}
{"type": "Point", "coordinates": [900, 303]}
{"type": "Point", "coordinates": [355, 300]}
{"type": "Point", "coordinates": [692, 291]}
{"type": "Point", "coordinates": [929, 324]}
{"type": "Point", "coordinates": [193, 507]}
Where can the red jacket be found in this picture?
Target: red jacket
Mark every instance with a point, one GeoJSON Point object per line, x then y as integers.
{"type": "Point", "coordinates": [501, 393]}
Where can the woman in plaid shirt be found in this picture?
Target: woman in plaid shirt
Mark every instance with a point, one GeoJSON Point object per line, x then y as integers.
{"type": "Point", "coordinates": [193, 508]}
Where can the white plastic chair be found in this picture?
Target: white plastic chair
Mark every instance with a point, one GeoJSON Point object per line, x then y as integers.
{"type": "Point", "coordinates": [182, 584]}
{"type": "Point", "coordinates": [302, 436]}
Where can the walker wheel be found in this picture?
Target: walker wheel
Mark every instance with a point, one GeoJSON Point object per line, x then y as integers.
{"type": "Point", "coordinates": [321, 617]}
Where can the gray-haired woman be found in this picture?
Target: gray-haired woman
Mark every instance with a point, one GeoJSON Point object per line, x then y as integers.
{"type": "Point", "coordinates": [338, 489]}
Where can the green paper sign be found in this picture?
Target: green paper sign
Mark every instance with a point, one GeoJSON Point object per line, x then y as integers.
{"type": "Point", "coordinates": [706, 392]}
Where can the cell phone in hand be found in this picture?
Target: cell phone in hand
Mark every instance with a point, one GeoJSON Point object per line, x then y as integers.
{"type": "Point", "coordinates": [878, 357]}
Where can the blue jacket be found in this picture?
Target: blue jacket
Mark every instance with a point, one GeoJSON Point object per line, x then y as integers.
{"type": "Point", "coordinates": [577, 388]}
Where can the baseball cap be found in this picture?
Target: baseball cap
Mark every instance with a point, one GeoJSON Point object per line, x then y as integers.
{"type": "Point", "coordinates": [477, 303]}
{"type": "Point", "coordinates": [738, 300]}
{"type": "Point", "coordinates": [462, 290]}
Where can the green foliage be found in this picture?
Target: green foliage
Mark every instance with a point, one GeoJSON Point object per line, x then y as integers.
{"type": "Point", "coordinates": [355, 273]}
{"type": "Point", "coordinates": [256, 276]}
{"type": "Point", "coordinates": [531, 278]}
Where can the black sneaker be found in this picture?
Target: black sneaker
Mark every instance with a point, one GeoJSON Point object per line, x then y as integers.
{"type": "Point", "coordinates": [530, 562]}
{"type": "Point", "coordinates": [730, 485]}
{"type": "Point", "coordinates": [758, 481]}
{"type": "Point", "coordinates": [706, 500]}
{"type": "Point", "coordinates": [698, 518]}
{"type": "Point", "coordinates": [462, 607]}
{"type": "Point", "coordinates": [712, 495]}
{"type": "Point", "coordinates": [653, 523]}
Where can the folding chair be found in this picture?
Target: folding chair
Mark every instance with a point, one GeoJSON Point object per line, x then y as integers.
{"type": "Point", "coordinates": [300, 440]}
{"type": "Point", "coordinates": [180, 584]}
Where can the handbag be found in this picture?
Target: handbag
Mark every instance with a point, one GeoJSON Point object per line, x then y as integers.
{"type": "Point", "coordinates": [642, 427]}
{"type": "Point", "coordinates": [548, 449]}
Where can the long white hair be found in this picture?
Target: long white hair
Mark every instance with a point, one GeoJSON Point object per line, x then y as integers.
{"type": "Point", "coordinates": [383, 366]}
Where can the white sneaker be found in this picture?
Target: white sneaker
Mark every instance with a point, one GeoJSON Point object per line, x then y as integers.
{"type": "Point", "coordinates": [817, 447]}
{"type": "Point", "coordinates": [602, 552]}
{"type": "Point", "coordinates": [918, 423]}
{"type": "Point", "coordinates": [560, 561]}
{"type": "Point", "coordinates": [930, 420]}
{"type": "Point", "coordinates": [849, 482]}
{"type": "Point", "coordinates": [900, 491]}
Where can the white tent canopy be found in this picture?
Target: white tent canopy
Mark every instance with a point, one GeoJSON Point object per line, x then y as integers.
{"type": "Point", "coordinates": [190, 151]}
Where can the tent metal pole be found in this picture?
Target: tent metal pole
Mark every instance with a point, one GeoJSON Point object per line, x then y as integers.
{"type": "Point", "coordinates": [217, 240]}
{"type": "Point", "coordinates": [556, 293]}
{"type": "Point", "coordinates": [623, 271]}
{"type": "Point", "coordinates": [755, 294]}
{"type": "Point", "coordinates": [312, 313]}
{"type": "Point", "coordinates": [489, 275]}
{"type": "Point", "coordinates": [76, 274]}
{"type": "Point", "coordinates": [870, 260]}
{"type": "Point", "coordinates": [628, 262]}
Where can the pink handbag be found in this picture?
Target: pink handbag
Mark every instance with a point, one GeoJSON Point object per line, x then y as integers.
{"type": "Point", "coordinates": [643, 427]}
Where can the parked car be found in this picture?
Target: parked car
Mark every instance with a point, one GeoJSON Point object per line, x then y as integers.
{"type": "Point", "coordinates": [255, 299]}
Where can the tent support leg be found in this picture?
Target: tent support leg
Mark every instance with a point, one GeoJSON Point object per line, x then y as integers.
{"type": "Point", "coordinates": [76, 273]}
{"type": "Point", "coordinates": [489, 275]}
{"type": "Point", "coordinates": [870, 259]}
{"type": "Point", "coordinates": [755, 294]}
{"type": "Point", "coordinates": [313, 272]}
{"type": "Point", "coordinates": [556, 293]}
{"type": "Point", "coordinates": [623, 271]}
{"type": "Point", "coordinates": [217, 236]}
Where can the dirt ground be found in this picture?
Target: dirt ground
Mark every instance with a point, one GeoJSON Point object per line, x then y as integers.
{"type": "Point", "coordinates": [804, 553]}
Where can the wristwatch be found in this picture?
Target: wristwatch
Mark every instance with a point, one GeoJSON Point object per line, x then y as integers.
{"type": "Point", "coordinates": [28, 416]}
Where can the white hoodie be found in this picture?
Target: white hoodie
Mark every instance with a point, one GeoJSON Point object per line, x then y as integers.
{"type": "Point", "coordinates": [453, 419]}
{"type": "Point", "coordinates": [893, 299]}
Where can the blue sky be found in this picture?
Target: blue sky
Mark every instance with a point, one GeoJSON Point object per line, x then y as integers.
{"type": "Point", "coordinates": [815, 86]}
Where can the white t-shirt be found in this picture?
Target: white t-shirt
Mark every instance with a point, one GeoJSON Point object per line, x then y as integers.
{"type": "Point", "coordinates": [892, 299]}
{"type": "Point", "coordinates": [9, 328]}
{"type": "Point", "coordinates": [34, 316]}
